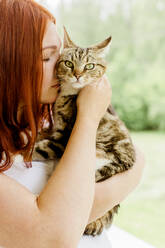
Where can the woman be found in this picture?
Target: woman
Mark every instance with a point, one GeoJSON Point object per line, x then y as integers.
{"type": "Point", "coordinates": [34, 212]}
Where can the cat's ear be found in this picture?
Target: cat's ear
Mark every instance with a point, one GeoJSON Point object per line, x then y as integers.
{"type": "Point", "coordinates": [103, 47]}
{"type": "Point", "coordinates": [67, 41]}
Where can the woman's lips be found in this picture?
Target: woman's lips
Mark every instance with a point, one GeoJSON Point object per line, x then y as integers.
{"type": "Point", "coordinates": [56, 85]}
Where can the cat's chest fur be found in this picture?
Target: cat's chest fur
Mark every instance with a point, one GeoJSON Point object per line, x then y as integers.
{"type": "Point", "coordinates": [111, 131]}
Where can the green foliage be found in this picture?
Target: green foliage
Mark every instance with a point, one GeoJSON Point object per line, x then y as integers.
{"type": "Point", "coordinates": [141, 102]}
{"type": "Point", "coordinates": [136, 58]}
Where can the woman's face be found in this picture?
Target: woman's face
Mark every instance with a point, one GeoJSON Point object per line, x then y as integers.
{"type": "Point", "coordinates": [50, 53]}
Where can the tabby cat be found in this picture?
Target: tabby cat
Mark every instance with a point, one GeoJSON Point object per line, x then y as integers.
{"type": "Point", "coordinates": [76, 68]}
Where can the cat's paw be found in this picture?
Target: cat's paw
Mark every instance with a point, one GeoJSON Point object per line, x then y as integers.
{"type": "Point", "coordinates": [94, 228]}
{"type": "Point", "coordinates": [103, 173]}
{"type": "Point", "coordinates": [98, 176]}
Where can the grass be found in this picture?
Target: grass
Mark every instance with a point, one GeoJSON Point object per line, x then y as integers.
{"type": "Point", "coordinates": [143, 212]}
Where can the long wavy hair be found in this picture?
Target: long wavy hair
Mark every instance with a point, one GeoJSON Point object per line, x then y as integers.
{"type": "Point", "coordinates": [22, 27]}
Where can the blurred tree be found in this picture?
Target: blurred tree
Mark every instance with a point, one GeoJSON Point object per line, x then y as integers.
{"type": "Point", "coordinates": [82, 20]}
{"type": "Point", "coordinates": [136, 58]}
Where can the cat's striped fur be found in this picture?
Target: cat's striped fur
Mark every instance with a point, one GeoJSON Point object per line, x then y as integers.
{"type": "Point", "coordinates": [115, 151]}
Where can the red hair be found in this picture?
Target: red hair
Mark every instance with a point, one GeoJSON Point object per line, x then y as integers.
{"type": "Point", "coordinates": [22, 27]}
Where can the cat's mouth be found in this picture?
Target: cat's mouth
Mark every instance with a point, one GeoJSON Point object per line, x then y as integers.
{"type": "Point", "coordinates": [77, 84]}
{"type": "Point", "coordinates": [73, 83]}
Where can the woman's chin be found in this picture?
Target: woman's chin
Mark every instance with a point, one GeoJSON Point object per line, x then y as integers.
{"type": "Point", "coordinates": [51, 98]}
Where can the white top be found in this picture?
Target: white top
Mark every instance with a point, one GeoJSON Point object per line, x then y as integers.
{"type": "Point", "coordinates": [35, 179]}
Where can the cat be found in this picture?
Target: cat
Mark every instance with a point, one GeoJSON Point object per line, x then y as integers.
{"type": "Point", "coordinates": [115, 152]}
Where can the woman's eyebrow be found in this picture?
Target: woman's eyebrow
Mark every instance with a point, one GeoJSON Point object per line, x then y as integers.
{"type": "Point", "coordinates": [53, 47]}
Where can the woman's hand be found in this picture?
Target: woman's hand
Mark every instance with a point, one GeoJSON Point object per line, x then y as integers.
{"type": "Point", "coordinates": [94, 99]}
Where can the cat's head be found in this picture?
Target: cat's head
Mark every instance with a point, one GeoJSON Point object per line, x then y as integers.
{"type": "Point", "coordinates": [78, 66]}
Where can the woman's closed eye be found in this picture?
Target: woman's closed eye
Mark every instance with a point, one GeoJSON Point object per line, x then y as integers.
{"type": "Point", "coordinates": [46, 59]}
{"type": "Point", "coordinates": [47, 56]}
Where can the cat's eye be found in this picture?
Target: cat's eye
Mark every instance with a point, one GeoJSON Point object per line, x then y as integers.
{"type": "Point", "coordinates": [90, 66]}
{"type": "Point", "coordinates": [69, 64]}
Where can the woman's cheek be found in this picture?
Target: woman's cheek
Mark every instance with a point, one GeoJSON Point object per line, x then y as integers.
{"type": "Point", "coordinates": [48, 72]}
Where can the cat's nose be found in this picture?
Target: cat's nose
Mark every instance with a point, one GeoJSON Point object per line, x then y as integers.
{"type": "Point", "coordinates": [77, 76]}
